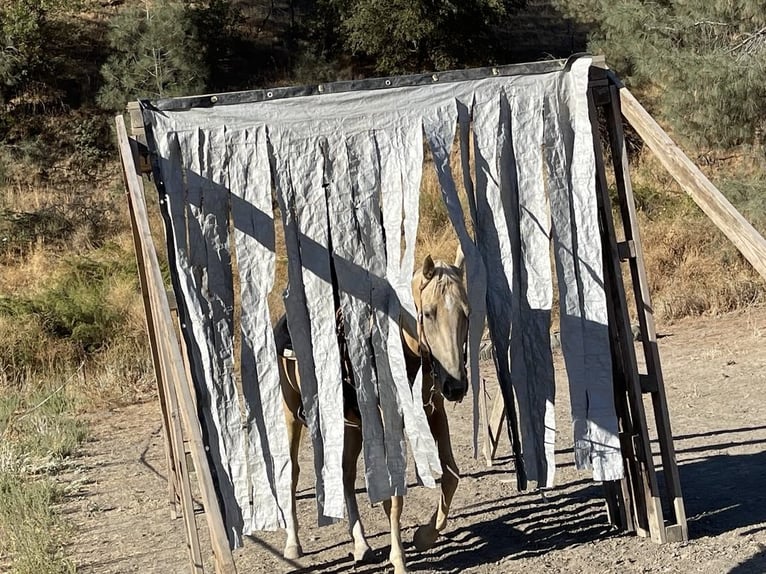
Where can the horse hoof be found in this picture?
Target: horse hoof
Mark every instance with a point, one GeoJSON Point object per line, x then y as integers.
{"type": "Point", "coordinates": [293, 552]}
{"type": "Point", "coordinates": [365, 556]}
{"type": "Point", "coordinates": [425, 537]}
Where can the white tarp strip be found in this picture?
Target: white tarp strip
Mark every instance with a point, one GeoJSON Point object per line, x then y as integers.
{"type": "Point", "coordinates": [584, 332]}
{"type": "Point", "coordinates": [401, 152]}
{"type": "Point", "coordinates": [183, 158]}
{"type": "Point", "coordinates": [493, 239]}
{"type": "Point", "coordinates": [439, 127]}
{"type": "Point", "coordinates": [531, 357]}
{"type": "Point", "coordinates": [353, 179]}
{"type": "Point", "coordinates": [299, 161]}
{"type": "Point", "coordinates": [216, 287]}
{"type": "Point", "coordinates": [254, 239]}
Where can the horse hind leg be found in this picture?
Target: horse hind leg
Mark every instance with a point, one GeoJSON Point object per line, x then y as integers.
{"type": "Point", "coordinates": [352, 446]}
{"type": "Point", "coordinates": [426, 535]}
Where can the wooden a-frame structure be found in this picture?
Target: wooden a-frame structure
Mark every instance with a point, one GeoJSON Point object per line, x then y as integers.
{"type": "Point", "coordinates": [636, 503]}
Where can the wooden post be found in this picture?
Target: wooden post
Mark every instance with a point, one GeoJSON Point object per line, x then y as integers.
{"type": "Point", "coordinates": [484, 417]}
{"type": "Point", "coordinates": [494, 427]}
{"type": "Point", "coordinates": [169, 354]}
{"type": "Point", "coordinates": [177, 442]}
{"type": "Point", "coordinates": [639, 464]}
{"type": "Point", "coordinates": [720, 211]}
{"type": "Point", "coordinates": [151, 329]}
{"type": "Point", "coordinates": [655, 383]}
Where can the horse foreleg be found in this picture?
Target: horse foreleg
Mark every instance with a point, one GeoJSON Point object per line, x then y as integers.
{"type": "Point", "coordinates": [426, 535]}
{"type": "Point", "coordinates": [293, 547]}
{"type": "Point", "coordinates": [393, 508]}
{"type": "Point", "coordinates": [352, 446]}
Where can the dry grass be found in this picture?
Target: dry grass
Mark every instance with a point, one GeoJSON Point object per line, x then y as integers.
{"type": "Point", "coordinates": [693, 269]}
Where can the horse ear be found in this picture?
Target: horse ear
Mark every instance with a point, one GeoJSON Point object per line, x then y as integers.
{"type": "Point", "coordinates": [460, 261]}
{"type": "Point", "coordinates": [428, 268]}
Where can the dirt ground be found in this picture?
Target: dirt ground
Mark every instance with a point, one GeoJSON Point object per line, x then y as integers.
{"type": "Point", "coordinates": [715, 370]}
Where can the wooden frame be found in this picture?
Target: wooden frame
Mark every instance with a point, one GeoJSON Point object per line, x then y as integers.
{"type": "Point", "coordinates": [634, 504]}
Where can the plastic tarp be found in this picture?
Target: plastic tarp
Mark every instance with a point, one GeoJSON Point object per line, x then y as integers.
{"type": "Point", "coordinates": [346, 170]}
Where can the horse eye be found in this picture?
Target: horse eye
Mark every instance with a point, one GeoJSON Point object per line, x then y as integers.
{"type": "Point", "coordinates": [429, 314]}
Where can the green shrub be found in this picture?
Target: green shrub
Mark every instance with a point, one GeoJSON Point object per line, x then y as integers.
{"type": "Point", "coordinates": [77, 307]}
{"type": "Point", "coordinates": [30, 529]}
{"type": "Point", "coordinates": [399, 36]}
{"type": "Point", "coordinates": [19, 229]}
{"type": "Point", "coordinates": [748, 194]}
{"type": "Point", "coordinates": [38, 433]}
{"type": "Point", "coordinates": [90, 141]}
{"type": "Point", "coordinates": [22, 26]}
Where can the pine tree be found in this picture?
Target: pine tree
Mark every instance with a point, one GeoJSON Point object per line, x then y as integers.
{"type": "Point", "coordinates": [703, 62]}
{"type": "Point", "coordinates": [156, 54]}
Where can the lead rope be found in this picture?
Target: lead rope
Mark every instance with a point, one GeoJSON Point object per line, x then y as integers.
{"type": "Point", "coordinates": [425, 352]}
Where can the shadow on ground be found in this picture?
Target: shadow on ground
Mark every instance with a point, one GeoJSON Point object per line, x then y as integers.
{"type": "Point", "coordinates": [519, 526]}
{"type": "Point", "coordinates": [755, 565]}
{"type": "Point", "coordinates": [724, 492]}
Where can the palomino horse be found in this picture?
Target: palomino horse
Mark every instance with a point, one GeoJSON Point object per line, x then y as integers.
{"type": "Point", "coordinates": [442, 306]}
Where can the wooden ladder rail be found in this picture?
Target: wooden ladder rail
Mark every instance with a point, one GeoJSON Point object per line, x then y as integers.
{"type": "Point", "coordinates": [637, 497]}
{"type": "Point", "coordinates": [640, 488]}
{"type": "Point", "coordinates": [652, 382]}
{"type": "Point", "coordinates": [172, 373]}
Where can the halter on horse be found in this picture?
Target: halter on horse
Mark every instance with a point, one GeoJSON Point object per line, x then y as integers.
{"type": "Point", "coordinates": [442, 331]}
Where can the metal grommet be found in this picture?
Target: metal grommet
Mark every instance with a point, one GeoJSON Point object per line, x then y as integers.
{"type": "Point", "coordinates": [320, 88]}
{"type": "Point", "coordinates": [495, 71]}
{"type": "Point", "coordinates": [213, 99]}
{"type": "Point", "coordinates": [435, 78]}
{"type": "Point", "coordinates": [269, 94]}
{"type": "Point", "coordinates": [388, 82]}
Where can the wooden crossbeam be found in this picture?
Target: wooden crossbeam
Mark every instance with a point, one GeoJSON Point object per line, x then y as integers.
{"type": "Point", "coordinates": [715, 205]}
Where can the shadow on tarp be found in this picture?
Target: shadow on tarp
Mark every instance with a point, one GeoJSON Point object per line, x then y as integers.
{"type": "Point", "coordinates": [219, 213]}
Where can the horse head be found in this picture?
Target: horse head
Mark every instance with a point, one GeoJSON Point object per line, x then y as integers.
{"type": "Point", "coordinates": [442, 306]}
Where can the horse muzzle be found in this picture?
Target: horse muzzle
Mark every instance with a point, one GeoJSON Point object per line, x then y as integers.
{"type": "Point", "coordinates": [454, 389]}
